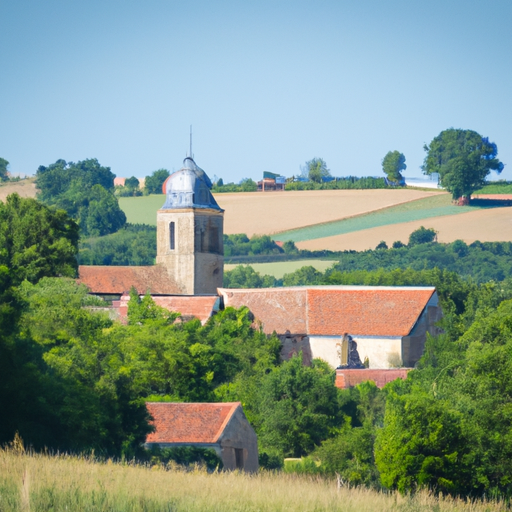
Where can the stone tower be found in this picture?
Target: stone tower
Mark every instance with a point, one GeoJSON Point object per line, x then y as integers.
{"type": "Point", "coordinates": [190, 229]}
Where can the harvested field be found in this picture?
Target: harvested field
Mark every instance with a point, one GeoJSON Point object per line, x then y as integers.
{"type": "Point", "coordinates": [421, 209]}
{"type": "Point", "coordinates": [486, 225]}
{"type": "Point", "coordinates": [267, 213]}
{"type": "Point", "coordinates": [279, 268]}
{"type": "Point", "coordinates": [24, 188]}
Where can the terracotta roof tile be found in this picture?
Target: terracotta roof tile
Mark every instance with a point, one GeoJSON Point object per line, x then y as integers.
{"type": "Point", "coordinates": [349, 378]}
{"type": "Point", "coordinates": [365, 311]}
{"type": "Point", "coordinates": [189, 422]}
{"type": "Point", "coordinates": [116, 280]}
{"type": "Point", "coordinates": [278, 309]}
{"type": "Point", "coordinates": [333, 310]}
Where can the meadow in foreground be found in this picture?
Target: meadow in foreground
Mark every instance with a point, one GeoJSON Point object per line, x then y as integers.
{"type": "Point", "coordinates": [37, 482]}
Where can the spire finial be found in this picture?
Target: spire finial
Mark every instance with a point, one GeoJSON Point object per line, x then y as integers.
{"type": "Point", "coordinates": [191, 154]}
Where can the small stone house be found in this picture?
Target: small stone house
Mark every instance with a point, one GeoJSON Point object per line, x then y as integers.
{"type": "Point", "coordinates": [220, 426]}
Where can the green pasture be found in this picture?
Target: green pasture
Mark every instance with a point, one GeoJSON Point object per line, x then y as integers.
{"type": "Point", "coordinates": [279, 268]}
{"type": "Point", "coordinates": [434, 206]}
{"type": "Point", "coordinates": [498, 187]}
{"type": "Point", "coordinates": [142, 209]}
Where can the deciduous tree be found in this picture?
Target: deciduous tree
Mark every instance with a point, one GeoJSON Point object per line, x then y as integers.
{"type": "Point", "coordinates": [316, 170]}
{"type": "Point", "coordinates": [463, 159]}
{"type": "Point", "coordinates": [154, 182]}
{"type": "Point", "coordinates": [393, 164]}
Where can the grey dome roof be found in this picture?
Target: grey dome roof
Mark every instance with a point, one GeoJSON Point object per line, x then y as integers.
{"type": "Point", "coordinates": [189, 188]}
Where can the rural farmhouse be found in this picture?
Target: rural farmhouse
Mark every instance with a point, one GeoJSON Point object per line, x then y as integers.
{"type": "Point", "coordinates": [220, 426]}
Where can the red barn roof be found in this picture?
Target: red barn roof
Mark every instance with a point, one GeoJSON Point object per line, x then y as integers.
{"type": "Point", "coordinates": [372, 312]}
{"type": "Point", "coordinates": [334, 310]}
{"type": "Point", "coordinates": [189, 422]}
{"type": "Point", "coordinates": [117, 280]}
{"type": "Point", "coordinates": [278, 309]}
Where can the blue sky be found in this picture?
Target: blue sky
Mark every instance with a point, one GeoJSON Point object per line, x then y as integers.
{"type": "Point", "coordinates": [266, 85]}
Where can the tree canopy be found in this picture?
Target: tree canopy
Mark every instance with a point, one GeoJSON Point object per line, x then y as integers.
{"type": "Point", "coordinates": [463, 159]}
{"type": "Point", "coordinates": [85, 191]}
{"type": "Point", "coordinates": [154, 182]}
{"type": "Point", "coordinates": [36, 241]}
{"type": "Point", "coordinates": [393, 164]}
{"type": "Point", "coordinates": [316, 170]}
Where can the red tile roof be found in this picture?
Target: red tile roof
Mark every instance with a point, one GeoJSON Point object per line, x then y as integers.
{"type": "Point", "coordinates": [365, 311]}
{"type": "Point", "coordinates": [333, 310]}
{"type": "Point", "coordinates": [190, 306]}
{"type": "Point", "coordinates": [278, 309]}
{"type": "Point", "coordinates": [350, 378]}
{"type": "Point", "coordinates": [116, 280]}
{"type": "Point", "coordinates": [189, 422]}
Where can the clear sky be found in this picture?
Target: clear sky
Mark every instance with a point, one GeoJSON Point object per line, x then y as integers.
{"type": "Point", "coordinates": [266, 85]}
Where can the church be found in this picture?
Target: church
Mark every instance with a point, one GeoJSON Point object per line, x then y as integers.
{"type": "Point", "coordinates": [386, 326]}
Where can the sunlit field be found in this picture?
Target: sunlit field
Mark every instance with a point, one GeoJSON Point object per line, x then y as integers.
{"type": "Point", "coordinates": [24, 188]}
{"type": "Point", "coordinates": [279, 268]}
{"type": "Point", "coordinates": [267, 213]}
{"type": "Point", "coordinates": [486, 225]}
{"type": "Point", "coordinates": [43, 483]}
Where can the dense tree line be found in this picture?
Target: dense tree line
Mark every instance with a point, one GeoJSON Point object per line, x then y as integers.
{"type": "Point", "coordinates": [134, 244]}
{"type": "Point", "coordinates": [85, 190]}
{"type": "Point", "coordinates": [479, 261]}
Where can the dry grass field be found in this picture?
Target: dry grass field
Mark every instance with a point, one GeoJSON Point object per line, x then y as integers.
{"type": "Point", "coordinates": [37, 483]}
{"type": "Point", "coordinates": [267, 213]}
{"type": "Point", "coordinates": [25, 188]}
{"type": "Point", "coordinates": [487, 225]}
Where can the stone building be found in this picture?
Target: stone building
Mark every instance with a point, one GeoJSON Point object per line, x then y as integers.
{"type": "Point", "coordinates": [389, 324]}
{"type": "Point", "coordinates": [222, 427]}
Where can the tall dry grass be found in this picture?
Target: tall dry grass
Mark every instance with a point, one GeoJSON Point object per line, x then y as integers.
{"type": "Point", "coordinates": [36, 482]}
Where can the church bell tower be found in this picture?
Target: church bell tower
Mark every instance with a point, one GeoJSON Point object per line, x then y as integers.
{"type": "Point", "coordinates": [190, 229]}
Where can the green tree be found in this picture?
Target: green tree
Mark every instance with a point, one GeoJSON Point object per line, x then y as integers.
{"type": "Point", "coordinates": [36, 241]}
{"type": "Point", "coordinates": [85, 191]}
{"type": "Point", "coordinates": [393, 164]}
{"type": "Point", "coordinates": [4, 174]}
{"type": "Point", "coordinates": [85, 400]}
{"type": "Point", "coordinates": [248, 185]}
{"type": "Point", "coordinates": [463, 159]}
{"type": "Point", "coordinates": [58, 178]}
{"type": "Point", "coordinates": [297, 407]}
{"type": "Point", "coordinates": [154, 182]}
{"type": "Point", "coordinates": [244, 276]}
{"type": "Point", "coordinates": [316, 170]}
{"type": "Point", "coordinates": [422, 235]}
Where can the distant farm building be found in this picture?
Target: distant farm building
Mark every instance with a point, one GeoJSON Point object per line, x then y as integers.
{"type": "Point", "coordinates": [271, 182]}
{"type": "Point", "coordinates": [222, 427]}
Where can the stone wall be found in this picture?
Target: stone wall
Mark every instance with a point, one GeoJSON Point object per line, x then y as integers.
{"type": "Point", "coordinates": [239, 435]}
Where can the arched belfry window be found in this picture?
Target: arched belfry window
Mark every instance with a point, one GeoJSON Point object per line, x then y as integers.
{"type": "Point", "coordinates": [172, 236]}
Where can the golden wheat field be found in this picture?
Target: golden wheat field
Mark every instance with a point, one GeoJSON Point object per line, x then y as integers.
{"type": "Point", "coordinates": [31, 482]}
{"type": "Point", "coordinates": [25, 188]}
{"type": "Point", "coordinates": [268, 213]}
{"type": "Point", "coordinates": [492, 225]}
